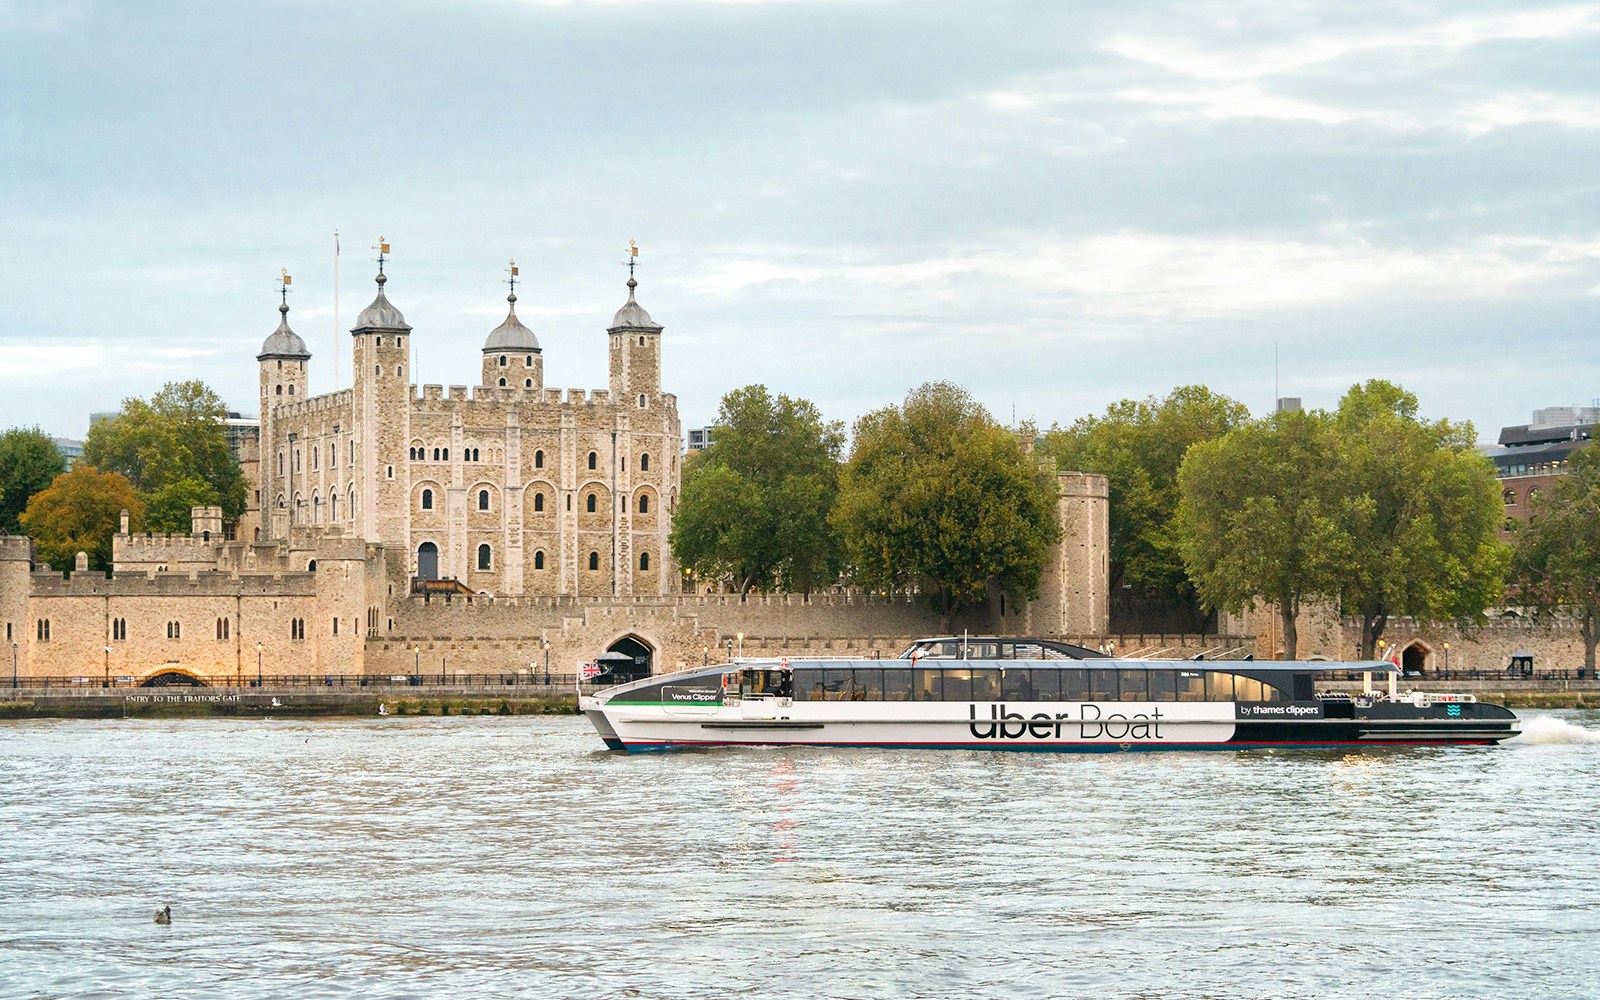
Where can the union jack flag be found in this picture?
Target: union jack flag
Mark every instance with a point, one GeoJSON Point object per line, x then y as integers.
{"type": "Point", "coordinates": [588, 670]}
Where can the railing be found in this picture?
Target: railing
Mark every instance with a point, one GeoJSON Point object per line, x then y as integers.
{"type": "Point", "coordinates": [346, 681]}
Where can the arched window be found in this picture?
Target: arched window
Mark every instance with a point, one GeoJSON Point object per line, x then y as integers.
{"type": "Point", "coordinates": [528, 363]}
{"type": "Point", "coordinates": [591, 503]}
{"type": "Point", "coordinates": [641, 400]}
{"type": "Point", "coordinates": [644, 503]}
{"type": "Point", "coordinates": [436, 454]}
{"type": "Point", "coordinates": [485, 557]}
{"type": "Point", "coordinates": [594, 560]}
{"type": "Point", "coordinates": [502, 383]}
{"type": "Point", "coordinates": [593, 459]}
{"type": "Point", "coordinates": [1510, 497]}
{"type": "Point", "coordinates": [538, 501]}
{"type": "Point", "coordinates": [280, 391]}
{"type": "Point", "coordinates": [538, 459]}
{"type": "Point", "coordinates": [502, 364]}
{"type": "Point", "coordinates": [527, 383]}
{"type": "Point", "coordinates": [483, 499]}
{"type": "Point", "coordinates": [427, 499]}
{"type": "Point", "coordinates": [644, 462]}
{"type": "Point", "coordinates": [538, 559]}
{"type": "Point", "coordinates": [644, 561]}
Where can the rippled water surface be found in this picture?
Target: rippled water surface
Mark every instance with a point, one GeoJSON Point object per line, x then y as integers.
{"type": "Point", "coordinates": [515, 857]}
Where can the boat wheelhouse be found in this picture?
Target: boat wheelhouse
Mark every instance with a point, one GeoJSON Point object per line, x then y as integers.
{"type": "Point", "coordinates": [1092, 704]}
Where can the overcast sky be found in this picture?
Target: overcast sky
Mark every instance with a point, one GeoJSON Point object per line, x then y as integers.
{"type": "Point", "coordinates": [1055, 205]}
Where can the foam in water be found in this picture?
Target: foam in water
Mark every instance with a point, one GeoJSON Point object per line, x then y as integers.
{"type": "Point", "coordinates": [1547, 729]}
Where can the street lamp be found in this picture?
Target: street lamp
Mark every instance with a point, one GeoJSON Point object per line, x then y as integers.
{"type": "Point", "coordinates": [741, 645]}
{"type": "Point", "coordinates": [13, 666]}
{"type": "Point", "coordinates": [259, 647]}
{"type": "Point", "coordinates": [416, 662]}
{"type": "Point", "coordinates": [730, 650]}
{"type": "Point", "coordinates": [705, 655]}
{"type": "Point", "coordinates": [546, 662]}
{"type": "Point", "coordinates": [1447, 661]}
{"type": "Point", "coordinates": [107, 682]}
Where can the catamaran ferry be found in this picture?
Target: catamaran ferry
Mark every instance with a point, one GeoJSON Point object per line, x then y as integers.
{"type": "Point", "coordinates": [1030, 694]}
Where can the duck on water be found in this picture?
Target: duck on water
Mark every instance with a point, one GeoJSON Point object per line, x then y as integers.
{"type": "Point", "coordinates": [989, 693]}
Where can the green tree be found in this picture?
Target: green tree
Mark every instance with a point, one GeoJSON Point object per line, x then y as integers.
{"type": "Point", "coordinates": [1138, 446]}
{"type": "Point", "coordinates": [755, 504]}
{"type": "Point", "coordinates": [936, 493]}
{"type": "Point", "coordinates": [1262, 516]}
{"type": "Point", "coordinates": [79, 512]}
{"type": "Point", "coordinates": [1423, 518]}
{"type": "Point", "coordinates": [168, 508]}
{"type": "Point", "coordinates": [1558, 552]}
{"type": "Point", "coordinates": [177, 435]}
{"type": "Point", "coordinates": [29, 460]}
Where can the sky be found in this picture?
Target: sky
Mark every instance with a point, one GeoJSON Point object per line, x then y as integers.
{"type": "Point", "coordinates": [1055, 205]}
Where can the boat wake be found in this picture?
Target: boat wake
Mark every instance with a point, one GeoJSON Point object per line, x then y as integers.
{"type": "Point", "coordinates": [1547, 729]}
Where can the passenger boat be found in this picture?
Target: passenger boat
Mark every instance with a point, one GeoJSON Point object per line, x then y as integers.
{"type": "Point", "coordinates": [1029, 694]}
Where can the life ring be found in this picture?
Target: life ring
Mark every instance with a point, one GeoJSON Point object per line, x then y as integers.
{"type": "Point", "coordinates": [783, 663]}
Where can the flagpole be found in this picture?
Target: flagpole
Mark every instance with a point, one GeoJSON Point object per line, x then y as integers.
{"type": "Point", "coordinates": [335, 310]}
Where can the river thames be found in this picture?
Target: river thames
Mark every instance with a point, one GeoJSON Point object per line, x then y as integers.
{"type": "Point", "coordinates": [501, 857]}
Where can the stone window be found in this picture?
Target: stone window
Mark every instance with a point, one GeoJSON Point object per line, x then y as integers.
{"type": "Point", "coordinates": [436, 454]}
{"type": "Point", "coordinates": [644, 462]}
{"type": "Point", "coordinates": [644, 503]}
{"type": "Point", "coordinates": [569, 501]}
{"type": "Point", "coordinates": [641, 400]}
{"type": "Point", "coordinates": [336, 626]}
{"type": "Point", "coordinates": [502, 383]}
{"type": "Point", "coordinates": [397, 372]}
{"type": "Point", "coordinates": [483, 499]}
{"type": "Point", "coordinates": [297, 460]}
{"type": "Point", "coordinates": [591, 503]}
{"type": "Point", "coordinates": [644, 561]}
{"type": "Point", "coordinates": [538, 559]}
{"type": "Point", "coordinates": [119, 629]}
{"type": "Point", "coordinates": [222, 628]}
{"type": "Point", "coordinates": [1510, 497]}
{"type": "Point", "coordinates": [527, 383]}
{"type": "Point", "coordinates": [528, 362]}
{"type": "Point", "coordinates": [538, 501]}
{"type": "Point", "coordinates": [377, 371]}
{"type": "Point", "coordinates": [380, 341]}
{"type": "Point", "coordinates": [333, 456]}
{"type": "Point", "coordinates": [291, 390]}
{"type": "Point", "coordinates": [42, 630]}
{"type": "Point", "coordinates": [502, 364]}
{"type": "Point", "coordinates": [594, 560]}
{"type": "Point", "coordinates": [297, 628]}
{"type": "Point", "coordinates": [389, 471]}
{"type": "Point", "coordinates": [316, 454]}
{"type": "Point", "coordinates": [279, 390]}
{"type": "Point", "coordinates": [427, 499]}
{"type": "Point", "coordinates": [333, 506]}
{"type": "Point", "coordinates": [485, 557]}
{"type": "Point", "coordinates": [538, 459]}
{"type": "Point", "coordinates": [174, 630]}
{"type": "Point", "coordinates": [473, 456]}
{"type": "Point", "coordinates": [593, 460]}
{"type": "Point", "coordinates": [641, 341]}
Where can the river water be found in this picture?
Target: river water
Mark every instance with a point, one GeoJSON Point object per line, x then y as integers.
{"type": "Point", "coordinates": [490, 857]}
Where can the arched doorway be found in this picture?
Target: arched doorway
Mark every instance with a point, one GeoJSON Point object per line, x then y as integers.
{"type": "Point", "coordinates": [427, 561]}
{"type": "Point", "coordinates": [1414, 659]}
{"type": "Point", "coordinates": [635, 647]}
{"type": "Point", "coordinates": [172, 678]}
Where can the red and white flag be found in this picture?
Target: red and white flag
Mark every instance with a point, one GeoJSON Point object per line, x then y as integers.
{"type": "Point", "coordinates": [588, 670]}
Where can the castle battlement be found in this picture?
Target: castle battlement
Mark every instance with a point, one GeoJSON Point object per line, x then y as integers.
{"type": "Point", "coordinates": [203, 583]}
{"type": "Point", "coordinates": [331, 402]}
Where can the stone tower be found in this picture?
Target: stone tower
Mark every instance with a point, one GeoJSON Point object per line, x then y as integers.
{"type": "Point", "coordinates": [1074, 598]}
{"type": "Point", "coordinates": [636, 402]}
{"type": "Point", "coordinates": [512, 358]}
{"type": "Point", "coordinates": [635, 355]}
{"type": "Point", "coordinates": [284, 376]}
{"type": "Point", "coordinates": [382, 431]}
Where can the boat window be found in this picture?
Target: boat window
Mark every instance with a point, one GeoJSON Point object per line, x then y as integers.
{"type": "Point", "coordinates": [869, 684]}
{"type": "Point", "coordinates": [837, 683]}
{"type": "Point", "coordinates": [1102, 685]}
{"type": "Point", "coordinates": [778, 683]}
{"type": "Point", "coordinates": [1133, 685]}
{"type": "Point", "coordinates": [985, 684]}
{"type": "Point", "coordinates": [896, 684]}
{"type": "Point", "coordinates": [1247, 689]}
{"type": "Point", "coordinates": [1046, 684]}
{"type": "Point", "coordinates": [1162, 687]}
{"type": "Point", "coordinates": [957, 685]}
{"type": "Point", "coordinates": [1074, 685]}
{"type": "Point", "coordinates": [1191, 685]}
{"type": "Point", "coordinates": [927, 683]}
{"type": "Point", "coordinates": [1219, 687]}
{"type": "Point", "coordinates": [1018, 684]}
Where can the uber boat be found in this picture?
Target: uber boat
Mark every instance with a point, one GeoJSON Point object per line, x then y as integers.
{"type": "Point", "coordinates": [1033, 695]}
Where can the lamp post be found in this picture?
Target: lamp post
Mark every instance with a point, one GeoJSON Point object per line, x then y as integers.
{"type": "Point", "coordinates": [705, 655]}
{"type": "Point", "coordinates": [1447, 661]}
{"type": "Point", "coordinates": [13, 666]}
{"type": "Point", "coordinates": [259, 647]}
{"type": "Point", "coordinates": [107, 682]}
{"type": "Point", "coordinates": [741, 645]}
{"type": "Point", "coordinates": [547, 662]}
{"type": "Point", "coordinates": [730, 650]}
{"type": "Point", "coordinates": [416, 662]}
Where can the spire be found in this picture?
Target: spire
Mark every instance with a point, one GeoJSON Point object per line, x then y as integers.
{"type": "Point", "coordinates": [511, 335]}
{"type": "Point", "coordinates": [283, 342]}
{"type": "Point", "coordinates": [381, 314]}
{"type": "Point", "coordinates": [632, 315]}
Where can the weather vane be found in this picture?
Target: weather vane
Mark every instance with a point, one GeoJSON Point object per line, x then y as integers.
{"type": "Point", "coordinates": [284, 281]}
{"type": "Point", "coordinates": [633, 257]}
{"type": "Point", "coordinates": [383, 251]}
{"type": "Point", "coordinates": [512, 281]}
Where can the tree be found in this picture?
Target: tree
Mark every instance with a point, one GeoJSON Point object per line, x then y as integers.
{"type": "Point", "coordinates": [169, 508]}
{"type": "Point", "coordinates": [1424, 517]}
{"type": "Point", "coordinates": [1138, 446]}
{"type": "Point", "coordinates": [936, 493]}
{"type": "Point", "coordinates": [29, 460]}
{"type": "Point", "coordinates": [79, 512]}
{"type": "Point", "coordinates": [177, 435]}
{"type": "Point", "coordinates": [1558, 552]}
{"type": "Point", "coordinates": [1261, 516]}
{"type": "Point", "coordinates": [755, 504]}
